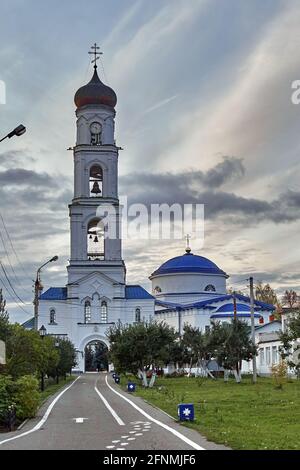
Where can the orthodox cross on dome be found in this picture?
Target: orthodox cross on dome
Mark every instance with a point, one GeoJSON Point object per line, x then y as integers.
{"type": "Point", "coordinates": [96, 53]}
{"type": "Point", "coordinates": [188, 248]}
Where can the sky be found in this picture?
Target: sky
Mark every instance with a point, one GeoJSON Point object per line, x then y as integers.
{"type": "Point", "coordinates": [204, 115]}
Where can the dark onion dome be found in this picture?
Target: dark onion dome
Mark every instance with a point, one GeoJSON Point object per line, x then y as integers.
{"type": "Point", "coordinates": [188, 263]}
{"type": "Point", "coordinates": [95, 92]}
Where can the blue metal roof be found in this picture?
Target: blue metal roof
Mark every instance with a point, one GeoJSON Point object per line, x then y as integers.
{"type": "Point", "coordinates": [28, 324]}
{"type": "Point", "coordinates": [137, 292]}
{"type": "Point", "coordinates": [231, 315]}
{"type": "Point", "coordinates": [239, 308]}
{"type": "Point", "coordinates": [55, 293]}
{"type": "Point", "coordinates": [207, 304]}
{"type": "Point", "coordinates": [188, 263]}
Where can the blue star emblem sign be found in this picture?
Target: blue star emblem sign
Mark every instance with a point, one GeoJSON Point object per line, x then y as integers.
{"type": "Point", "coordinates": [186, 412]}
{"type": "Point", "coordinates": [131, 387]}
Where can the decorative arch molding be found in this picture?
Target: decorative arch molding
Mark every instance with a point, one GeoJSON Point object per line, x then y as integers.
{"type": "Point", "coordinates": [94, 162]}
{"type": "Point", "coordinates": [85, 299]}
{"type": "Point", "coordinates": [82, 118]}
{"type": "Point", "coordinates": [96, 294]}
{"type": "Point", "coordinates": [105, 299]}
{"type": "Point", "coordinates": [94, 337]}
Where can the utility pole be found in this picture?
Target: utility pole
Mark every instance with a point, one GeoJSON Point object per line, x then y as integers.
{"type": "Point", "coordinates": [254, 379]}
{"type": "Point", "coordinates": [37, 289]}
{"type": "Point", "coordinates": [234, 305]}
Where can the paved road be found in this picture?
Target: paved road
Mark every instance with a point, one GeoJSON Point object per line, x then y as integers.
{"type": "Point", "coordinates": [108, 422]}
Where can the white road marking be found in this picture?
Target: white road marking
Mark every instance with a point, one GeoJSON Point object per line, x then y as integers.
{"type": "Point", "coordinates": [115, 442]}
{"type": "Point", "coordinates": [131, 439]}
{"type": "Point", "coordinates": [79, 420]}
{"type": "Point", "coordinates": [120, 448]}
{"type": "Point", "coordinates": [110, 447]}
{"type": "Point", "coordinates": [124, 444]}
{"type": "Point", "coordinates": [156, 421]}
{"type": "Point", "coordinates": [44, 418]}
{"type": "Point", "coordinates": [132, 432]}
{"type": "Point", "coordinates": [139, 434]}
{"type": "Point", "coordinates": [112, 411]}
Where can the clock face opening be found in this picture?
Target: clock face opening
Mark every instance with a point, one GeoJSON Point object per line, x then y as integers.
{"type": "Point", "coordinates": [95, 128]}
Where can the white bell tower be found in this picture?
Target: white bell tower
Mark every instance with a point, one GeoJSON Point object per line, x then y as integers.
{"type": "Point", "coordinates": [95, 185]}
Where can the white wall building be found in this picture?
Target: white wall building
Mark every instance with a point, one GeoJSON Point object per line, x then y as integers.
{"type": "Point", "coordinates": [185, 289]}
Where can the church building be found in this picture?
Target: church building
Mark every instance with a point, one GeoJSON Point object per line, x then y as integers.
{"type": "Point", "coordinates": [185, 289]}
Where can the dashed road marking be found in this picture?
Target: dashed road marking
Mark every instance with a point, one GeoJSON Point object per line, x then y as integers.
{"type": "Point", "coordinates": [110, 409]}
{"type": "Point", "coordinates": [173, 431]}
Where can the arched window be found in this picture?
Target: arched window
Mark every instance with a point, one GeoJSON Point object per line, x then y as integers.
{"type": "Point", "coordinates": [96, 181]}
{"type": "Point", "coordinates": [210, 288]}
{"type": "Point", "coordinates": [137, 315]}
{"type": "Point", "coordinates": [87, 312]}
{"type": "Point", "coordinates": [52, 319]}
{"type": "Point", "coordinates": [95, 240]}
{"type": "Point", "coordinates": [103, 313]}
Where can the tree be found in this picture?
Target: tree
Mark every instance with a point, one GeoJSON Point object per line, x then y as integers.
{"type": "Point", "coordinates": [265, 293]}
{"type": "Point", "coordinates": [232, 344]}
{"type": "Point", "coordinates": [289, 342]}
{"type": "Point", "coordinates": [67, 358]}
{"type": "Point", "coordinates": [4, 319]}
{"type": "Point", "coordinates": [290, 298]}
{"type": "Point", "coordinates": [28, 354]}
{"type": "Point", "coordinates": [140, 347]}
{"type": "Point", "coordinates": [198, 347]}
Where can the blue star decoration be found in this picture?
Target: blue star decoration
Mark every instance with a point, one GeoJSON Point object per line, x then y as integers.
{"type": "Point", "coordinates": [131, 387]}
{"type": "Point", "coordinates": [186, 412]}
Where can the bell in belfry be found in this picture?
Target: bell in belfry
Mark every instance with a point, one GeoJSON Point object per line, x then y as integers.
{"type": "Point", "coordinates": [96, 189]}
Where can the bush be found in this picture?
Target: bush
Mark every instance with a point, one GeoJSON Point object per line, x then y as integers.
{"type": "Point", "coordinates": [22, 393]}
{"type": "Point", "coordinates": [279, 374]}
{"type": "Point", "coordinates": [5, 396]}
{"type": "Point", "coordinates": [26, 396]}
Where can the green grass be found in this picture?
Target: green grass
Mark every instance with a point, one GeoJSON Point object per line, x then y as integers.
{"type": "Point", "coordinates": [241, 416]}
{"type": "Point", "coordinates": [52, 387]}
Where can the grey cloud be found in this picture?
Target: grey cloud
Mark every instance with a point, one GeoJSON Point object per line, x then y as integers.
{"type": "Point", "coordinates": [224, 172]}
{"type": "Point", "coordinates": [15, 157]}
{"type": "Point", "coordinates": [20, 176]}
{"type": "Point", "coordinates": [190, 188]}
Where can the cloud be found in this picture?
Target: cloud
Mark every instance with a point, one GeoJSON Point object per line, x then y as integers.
{"type": "Point", "coordinates": [21, 177]}
{"type": "Point", "coordinates": [189, 187]}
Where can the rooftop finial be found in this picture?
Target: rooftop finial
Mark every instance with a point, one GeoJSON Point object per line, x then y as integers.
{"type": "Point", "coordinates": [188, 248]}
{"type": "Point", "coordinates": [96, 54]}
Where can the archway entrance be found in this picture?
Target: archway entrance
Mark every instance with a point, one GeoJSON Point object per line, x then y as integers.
{"type": "Point", "coordinates": [95, 354]}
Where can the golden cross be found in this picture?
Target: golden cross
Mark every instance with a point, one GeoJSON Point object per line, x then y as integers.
{"type": "Point", "coordinates": [96, 53]}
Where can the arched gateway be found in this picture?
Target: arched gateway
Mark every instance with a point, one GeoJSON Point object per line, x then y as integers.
{"type": "Point", "coordinates": [95, 356]}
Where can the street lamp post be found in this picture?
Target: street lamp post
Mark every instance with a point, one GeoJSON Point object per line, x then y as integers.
{"type": "Point", "coordinates": [42, 332]}
{"type": "Point", "coordinates": [37, 289]}
{"type": "Point", "coordinates": [19, 130]}
{"type": "Point", "coordinates": [57, 376]}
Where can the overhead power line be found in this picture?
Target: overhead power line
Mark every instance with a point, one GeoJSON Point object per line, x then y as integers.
{"type": "Point", "coordinates": [10, 284]}
{"type": "Point", "coordinates": [13, 248]}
